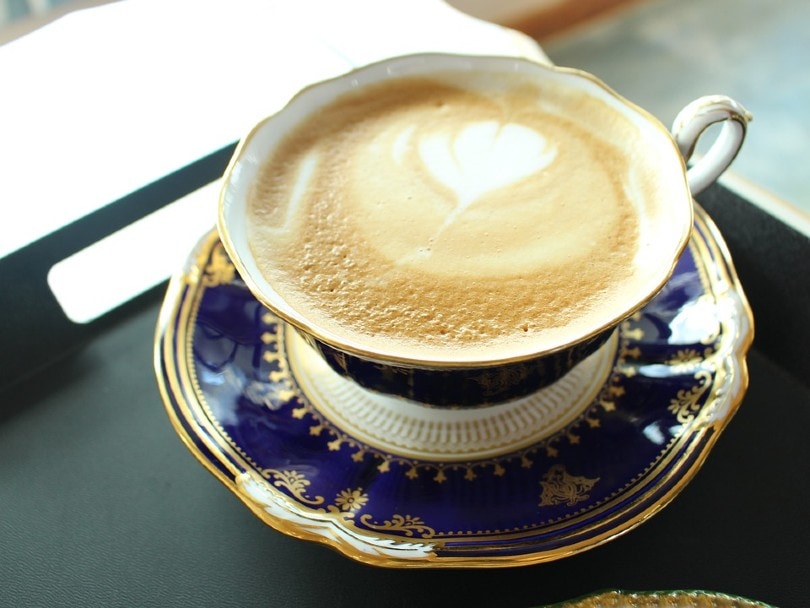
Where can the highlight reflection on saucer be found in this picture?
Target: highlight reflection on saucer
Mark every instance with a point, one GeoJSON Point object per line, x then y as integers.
{"type": "Point", "coordinates": [306, 454]}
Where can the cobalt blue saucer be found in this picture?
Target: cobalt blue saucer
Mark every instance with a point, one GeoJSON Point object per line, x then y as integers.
{"type": "Point", "coordinates": [553, 474]}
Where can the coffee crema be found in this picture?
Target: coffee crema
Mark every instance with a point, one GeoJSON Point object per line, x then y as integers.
{"type": "Point", "coordinates": [453, 216]}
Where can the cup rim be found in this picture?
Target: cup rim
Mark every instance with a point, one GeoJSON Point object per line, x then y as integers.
{"type": "Point", "coordinates": [290, 315]}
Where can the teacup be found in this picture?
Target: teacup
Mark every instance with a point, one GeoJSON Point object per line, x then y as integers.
{"type": "Point", "coordinates": [464, 230]}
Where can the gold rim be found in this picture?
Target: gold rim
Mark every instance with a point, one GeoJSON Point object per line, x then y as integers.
{"type": "Point", "coordinates": [379, 356]}
{"type": "Point", "coordinates": [183, 406]}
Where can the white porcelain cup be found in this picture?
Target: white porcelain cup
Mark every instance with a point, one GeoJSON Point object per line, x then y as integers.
{"type": "Point", "coordinates": [488, 376]}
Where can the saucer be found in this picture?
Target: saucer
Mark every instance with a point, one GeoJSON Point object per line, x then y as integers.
{"type": "Point", "coordinates": [395, 483]}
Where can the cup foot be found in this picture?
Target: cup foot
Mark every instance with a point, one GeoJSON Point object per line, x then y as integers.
{"type": "Point", "coordinates": [416, 430]}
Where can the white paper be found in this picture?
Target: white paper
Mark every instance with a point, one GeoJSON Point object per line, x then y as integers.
{"type": "Point", "coordinates": [106, 100]}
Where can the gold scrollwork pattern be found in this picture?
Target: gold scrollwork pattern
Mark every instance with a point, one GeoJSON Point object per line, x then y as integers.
{"type": "Point", "coordinates": [562, 488]}
{"type": "Point", "coordinates": [687, 357]}
{"type": "Point", "coordinates": [292, 481]}
{"type": "Point", "coordinates": [409, 525]}
{"type": "Point", "coordinates": [350, 501]}
{"type": "Point", "coordinates": [686, 403]}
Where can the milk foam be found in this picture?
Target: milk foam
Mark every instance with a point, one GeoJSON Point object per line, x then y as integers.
{"type": "Point", "coordinates": [479, 158]}
{"type": "Point", "coordinates": [442, 218]}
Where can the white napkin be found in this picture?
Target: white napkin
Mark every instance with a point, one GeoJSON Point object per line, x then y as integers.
{"type": "Point", "coordinates": [105, 100]}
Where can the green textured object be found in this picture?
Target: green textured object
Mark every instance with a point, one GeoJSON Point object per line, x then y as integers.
{"type": "Point", "coordinates": [660, 599]}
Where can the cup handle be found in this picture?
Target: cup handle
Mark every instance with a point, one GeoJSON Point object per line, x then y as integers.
{"type": "Point", "coordinates": [690, 124]}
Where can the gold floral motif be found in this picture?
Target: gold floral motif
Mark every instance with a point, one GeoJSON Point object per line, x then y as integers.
{"type": "Point", "coordinates": [351, 500]}
{"type": "Point", "coordinates": [560, 487]}
{"type": "Point", "coordinates": [292, 481]}
{"type": "Point", "coordinates": [409, 525]}
{"type": "Point", "coordinates": [686, 356]}
{"type": "Point", "coordinates": [689, 357]}
{"type": "Point", "coordinates": [686, 404]}
{"type": "Point", "coordinates": [219, 269]}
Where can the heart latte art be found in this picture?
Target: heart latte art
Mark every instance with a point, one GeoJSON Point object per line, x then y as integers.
{"type": "Point", "coordinates": [452, 214]}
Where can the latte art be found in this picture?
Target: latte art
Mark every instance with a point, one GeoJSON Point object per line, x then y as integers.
{"type": "Point", "coordinates": [476, 159]}
{"type": "Point", "coordinates": [445, 215]}
{"type": "Point", "coordinates": [482, 157]}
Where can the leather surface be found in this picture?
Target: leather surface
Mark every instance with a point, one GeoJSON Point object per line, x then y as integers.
{"type": "Point", "coordinates": [30, 307]}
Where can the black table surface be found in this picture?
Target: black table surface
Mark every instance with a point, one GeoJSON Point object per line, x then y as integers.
{"type": "Point", "coordinates": [102, 505]}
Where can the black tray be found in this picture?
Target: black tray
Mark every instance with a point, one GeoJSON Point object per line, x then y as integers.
{"type": "Point", "coordinates": [102, 504]}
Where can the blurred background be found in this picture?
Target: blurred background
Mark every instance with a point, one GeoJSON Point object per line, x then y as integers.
{"type": "Point", "coordinates": [660, 54]}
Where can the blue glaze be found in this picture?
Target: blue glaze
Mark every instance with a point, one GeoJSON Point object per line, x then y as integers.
{"type": "Point", "coordinates": [629, 452]}
{"type": "Point", "coordinates": [460, 387]}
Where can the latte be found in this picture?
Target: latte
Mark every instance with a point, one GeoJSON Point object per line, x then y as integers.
{"type": "Point", "coordinates": [479, 213]}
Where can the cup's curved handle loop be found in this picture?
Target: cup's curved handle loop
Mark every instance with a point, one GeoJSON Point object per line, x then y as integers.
{"type": "Point", "coordinates": [690, 124]}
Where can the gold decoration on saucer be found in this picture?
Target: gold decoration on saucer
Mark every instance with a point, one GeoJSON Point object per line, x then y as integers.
{"type": "Point", "coordinates": [560, 487]}
{"type": "Point", "coordinates": [219, 270]}
{"type": "Point", "coordinates": [351, 500]}
{"type": "Point", "coordinates": [280, 498]}
{"type": "Point", "coordinates": [686, 403]}
{"type": "Point", "coordinates": [279, 373]}
{"type": "Point", "coordinates": [419, 438]}
{"type": "Point", "coordinates": [603, 403]}
{"type": "Point", "coordinates": [292, 481]}
{"type": "Point", "coordinates": [686, 356]}
{"type": "Point", "coordinates": [409, 525]}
